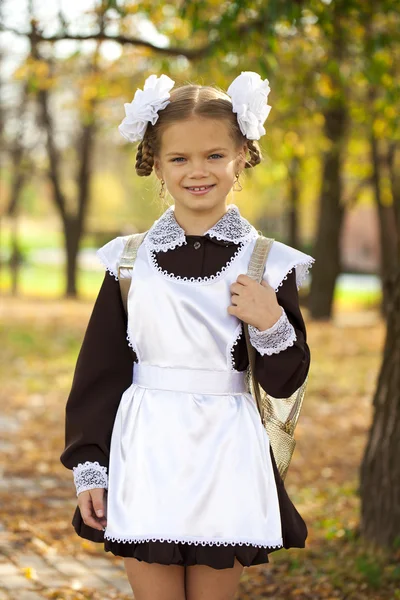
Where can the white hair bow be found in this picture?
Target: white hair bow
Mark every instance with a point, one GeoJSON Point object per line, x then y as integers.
{"type": "Point", "coordinates": [248, 92]}
{"type": "Point", "coordinates": [249, 95]}
{"type": "Point", "coordinates": [145, 106]}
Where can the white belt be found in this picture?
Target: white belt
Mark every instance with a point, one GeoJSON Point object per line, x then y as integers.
{"type": "Point", "coordinates": [195, 381]}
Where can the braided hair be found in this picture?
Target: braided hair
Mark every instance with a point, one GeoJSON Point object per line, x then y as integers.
{"type": "Point", "coordinates": [185, 102]}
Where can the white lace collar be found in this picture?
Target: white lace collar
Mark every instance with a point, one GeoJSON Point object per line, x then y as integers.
{"type": "Point", "coordinates": [166, 233]}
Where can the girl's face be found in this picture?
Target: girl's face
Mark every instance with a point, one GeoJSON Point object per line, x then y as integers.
{"type": "Point", "coordinates": [195, 153]}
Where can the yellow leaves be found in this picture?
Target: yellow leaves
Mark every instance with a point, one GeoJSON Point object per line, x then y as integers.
{"type": "Point", "coordinates": [32, 67]}
{"type": "Point", "coordinates": [157, 16]}
{"type": "Point", "coordinates": [89, 92]}
{"type": "Point", "coordinates": [291, 138]}
{"type": "Point", "coordinates": [21, 72]}
{"type": "Point", "coordinates": [325, 86]}
{"type": "Point", "coordinates": [132, 8]}
{"type": "Point", "coordinates": [318, 119]}
{"type": "Point", "coordinates": [387, 80]}
{"type": "Point", "coordinates": [36, 72]}
{"type": "Point", "coordinates": [380, 127]}
{"type": "Point", "coordinates": [295, 144]}
{"type": "Point", "coordinates": [110, 201]}
{"type": "Point", "coordinates": [29, 573]}
{"type": "Point", "coordinates": [179, 29]}
{"type": "Point", "coordinates": [390, 112]}
{"type": "Point", "coordinates": [384, 58]}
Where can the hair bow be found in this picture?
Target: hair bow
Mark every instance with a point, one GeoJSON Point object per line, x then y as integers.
{"type": "Point", "coordinates": [249, 95]}
{"type": "Point", "coordinates": [145, 106]}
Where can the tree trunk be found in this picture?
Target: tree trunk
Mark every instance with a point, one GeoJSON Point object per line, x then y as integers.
{"type": "Point", "coordinates": [74, 225]}
{"type": "Point", "coordinates": [294, 201]}
{"type": "Point", "coordinates": [327, 246]}
{"type": "Point", "coordinates": [15, 258]}
{"type": "Point", "coordinates": [71, 242]}
{"type": "Point", "coordinates": [386, 221]}
{"type": "Point", "coordinates": [73, 222]}
{"type": "Point", "coordinates": [380, 468]}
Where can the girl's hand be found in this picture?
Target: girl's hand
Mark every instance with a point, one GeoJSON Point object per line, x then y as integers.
{"type": "Point", "coordinates": [254, 303]}
{"type": "Point", "coordinates": [92, 505]}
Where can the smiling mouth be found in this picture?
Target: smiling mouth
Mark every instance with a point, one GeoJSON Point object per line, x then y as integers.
{"type": "Point", "coordinates": [200, 188]}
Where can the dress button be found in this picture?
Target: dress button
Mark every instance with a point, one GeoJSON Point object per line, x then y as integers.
{"type": "Point", "coordinates": [196, 245]}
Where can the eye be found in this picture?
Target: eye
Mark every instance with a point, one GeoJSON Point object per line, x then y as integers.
{"type": "Point", "coordinates": [179, 158]}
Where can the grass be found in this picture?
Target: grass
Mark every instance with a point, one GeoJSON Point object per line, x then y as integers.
{"type": "Point", "coordinates": [42, 281]}
{"type": "Point", "coordinates": [47, 281]}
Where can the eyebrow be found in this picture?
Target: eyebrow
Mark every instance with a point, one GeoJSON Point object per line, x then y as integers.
{"type": "Point", "coordinates": [207, 151]}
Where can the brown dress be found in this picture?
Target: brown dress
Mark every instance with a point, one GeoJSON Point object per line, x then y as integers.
{"type": "Point", "coordinates": [104, 370]}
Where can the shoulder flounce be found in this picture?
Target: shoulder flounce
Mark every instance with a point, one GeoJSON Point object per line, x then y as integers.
{"type": "Point", "coordinates": [281, 261]}
{"type": "Point", "coordinates": [110, 254]}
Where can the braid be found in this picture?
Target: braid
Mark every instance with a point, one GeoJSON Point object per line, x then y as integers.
{"type": "Point", "coordinates": [144, 158]}
{"type": "Point", "coordinates": [255, 154]}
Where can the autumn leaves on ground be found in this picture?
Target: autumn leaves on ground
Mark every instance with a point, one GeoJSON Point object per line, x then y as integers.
{"type": "Point", "coordinates": [40, 341]}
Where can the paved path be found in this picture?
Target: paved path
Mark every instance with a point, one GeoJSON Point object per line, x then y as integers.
{"type": "Point", "coordinates": [30, 575]}
{"type": "Point", "coordinates": [30, 568]}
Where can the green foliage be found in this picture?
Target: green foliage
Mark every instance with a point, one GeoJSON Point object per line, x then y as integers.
{"type": "Point", "coordinates": [370, 570]}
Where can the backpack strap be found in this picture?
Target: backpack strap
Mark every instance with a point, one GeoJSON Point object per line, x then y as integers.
{"type": "Point", "coordinates": [256, 271]}
{"type": "Point", "coordinates": [127, 261]}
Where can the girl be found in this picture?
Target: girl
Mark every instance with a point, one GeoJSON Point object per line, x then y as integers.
{"type": "Point", "coordinates": [172, 465]}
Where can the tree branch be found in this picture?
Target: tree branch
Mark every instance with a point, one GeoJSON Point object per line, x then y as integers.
{"type": "Point", "coordinates": [190, 53]}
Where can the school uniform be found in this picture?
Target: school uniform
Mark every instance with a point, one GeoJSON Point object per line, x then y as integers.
{"type": "Point", "coordinates": [159, 412]}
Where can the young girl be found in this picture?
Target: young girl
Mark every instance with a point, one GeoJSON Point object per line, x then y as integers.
{"type": "Point", "coordinates": [158, 414]}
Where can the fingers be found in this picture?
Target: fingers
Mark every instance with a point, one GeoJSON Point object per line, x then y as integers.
{"type": "Point", "coordinates": [232, 310]}
{"type": "Point", "coordinates": [92, 507]}
{"type": "Point", "coordinates": [97, 501]}
{"type": "Point", "coordinates": [235, 288]}
{"type": "Point", "coordinates": [243, 279]}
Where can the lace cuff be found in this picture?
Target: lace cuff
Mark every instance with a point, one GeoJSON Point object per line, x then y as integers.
{"type": "Point", "coordinates": [88, 476]}
{"type": "Point", "coordinates": [275, 339]}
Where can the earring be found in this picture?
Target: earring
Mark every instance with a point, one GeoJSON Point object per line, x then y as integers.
{"type": "Point", "coordinates": [162, 190]}
{"type": "Point", "coordinates": [237, 183]}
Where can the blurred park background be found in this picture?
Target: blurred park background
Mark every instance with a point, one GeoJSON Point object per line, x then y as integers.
{"type": "Point", "coordinates": [329, 185]}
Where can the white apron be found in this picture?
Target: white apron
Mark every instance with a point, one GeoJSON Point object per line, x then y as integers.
{"type": "Point", "coordinates": [189, 458]}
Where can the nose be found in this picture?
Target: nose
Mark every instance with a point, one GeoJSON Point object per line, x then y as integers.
{"type": "Point", "coordinates": [199, 171]}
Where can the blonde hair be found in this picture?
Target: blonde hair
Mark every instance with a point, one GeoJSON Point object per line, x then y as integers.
{"type": "Point", "coordinates": [185, 102]}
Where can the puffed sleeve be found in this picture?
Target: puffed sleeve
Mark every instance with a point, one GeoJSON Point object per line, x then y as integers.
{"type": "Point", "coordinates": [283, 355]}
{"type": "Point", "coordinates": [103, 372]}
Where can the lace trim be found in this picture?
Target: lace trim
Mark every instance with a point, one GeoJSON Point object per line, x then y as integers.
{"type": "Point", "coordinates": [302, 270]}
{"type": "Point", "coordinates": [188, 280]}
{"type": "Point", "coordinates": [275, 339]}
{"type": "Point", "coordinates": [232, 227]}
{"type": "Point", "coordinates": [197, 541]}
{"type": "Point", "coordinates": [130, 342]}
{"type": "Point", "coordinates": [231, 359]}
{"type": "Point", "coordinates": [89, 475]}
{"type": "Point", "coordinates": [166, 233]}
{"type": "Point", "coordinates": [106, 266]}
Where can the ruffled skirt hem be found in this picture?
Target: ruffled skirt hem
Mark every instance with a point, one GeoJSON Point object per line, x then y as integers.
{"type": "Point", "coordinates": [294, 535]}
{"type": "Point", "coordinates": [172, 553]}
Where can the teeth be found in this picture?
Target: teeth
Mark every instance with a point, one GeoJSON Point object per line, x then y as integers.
{"type": "Point", "coordinates": [198, 189]}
